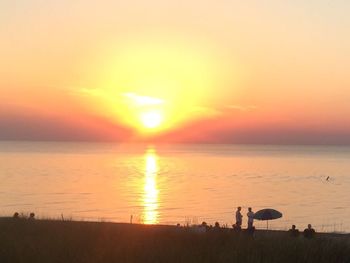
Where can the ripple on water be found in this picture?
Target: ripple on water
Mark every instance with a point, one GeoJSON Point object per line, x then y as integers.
{"type": "Point", "coordinates": [110, 183]}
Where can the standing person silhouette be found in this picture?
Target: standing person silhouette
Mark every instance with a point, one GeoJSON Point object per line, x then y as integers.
{"type": "Point", "coordinates": [239, 217]}
{"type": "Point", "coordinates": [250, 216]}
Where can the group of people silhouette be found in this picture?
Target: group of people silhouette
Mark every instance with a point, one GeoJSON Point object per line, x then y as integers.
{"type": "Point", "coordinates": [309, 232]}
{"type": "Point", "coordinates": [31, 216]}
{"type": "Point", "coordinates": [239, 217]}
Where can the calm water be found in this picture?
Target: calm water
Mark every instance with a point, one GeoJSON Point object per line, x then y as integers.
{"type": "Point", "coordinates": [177, 183]}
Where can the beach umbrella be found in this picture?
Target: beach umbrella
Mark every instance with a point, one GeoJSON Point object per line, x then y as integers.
{"type": "Point", "coordinates": [267, 214]}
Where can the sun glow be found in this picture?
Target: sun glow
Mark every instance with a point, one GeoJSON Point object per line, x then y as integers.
{"type": "Point", "coordinates": [151, 119]}
{"type": "Point", "coordinates": [153, 87]}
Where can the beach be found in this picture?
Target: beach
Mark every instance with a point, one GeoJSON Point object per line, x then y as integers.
{"type": "Point", "coordinates": [23, 240]}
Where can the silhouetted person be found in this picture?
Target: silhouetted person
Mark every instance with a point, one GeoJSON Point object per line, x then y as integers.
{"type": "Point", "coordinates": [239, 217]}
{"type": "Point", "coordinates": [293, 231]}
{"type": "Point", "coordinates": [309, 232]}
{"type": "Point", "coordinates": [327, 179]}
{"type": "Point", "coordinates": [31, 216]}
{"type": "Point", "coordinates": [217, 227]}
{"type": "Point", "coordinates": [205, 226]}
{"type": "Point", "coordinates": [16, 215]}
{"type": "Point", "coordinates": [250, 216]}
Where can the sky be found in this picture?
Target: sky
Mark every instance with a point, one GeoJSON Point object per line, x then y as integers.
{"type": "Point", "coordinates": [269, 72]}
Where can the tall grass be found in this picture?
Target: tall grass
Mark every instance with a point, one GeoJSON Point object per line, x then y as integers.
{"type": "Point", "coordinates": [69, 241]}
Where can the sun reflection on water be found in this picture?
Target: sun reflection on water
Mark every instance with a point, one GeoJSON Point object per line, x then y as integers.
{"type": "Point", "coordinates": [150, 195]}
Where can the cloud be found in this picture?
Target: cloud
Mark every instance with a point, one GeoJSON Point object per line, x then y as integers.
{"type": "Point", "coordinates": [207, 111]}
{"type": "Point", "coordinates": [142, 100]}
{"type": "Point", "coordinates": [92, 92]}
{"type": "Point", "coordinates": [20, 126]}
{"type": "Point", "coordinates": [241, 107]}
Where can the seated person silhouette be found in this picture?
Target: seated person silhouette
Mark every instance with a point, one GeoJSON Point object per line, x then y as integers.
{"type": "Point", "coordinates": [293, 231]}
{"type": "Point", "coordinates": [309, 232]}
{"type": "Point", "coordinates": [217, 227]}
{"type": "Point", "coordinates": [31, 216]}
{"type": "Point", "coordinates": [204, 227]}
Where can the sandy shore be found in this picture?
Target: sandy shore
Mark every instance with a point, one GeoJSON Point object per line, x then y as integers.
{"type": "Point", "coordinates": [27, 241]}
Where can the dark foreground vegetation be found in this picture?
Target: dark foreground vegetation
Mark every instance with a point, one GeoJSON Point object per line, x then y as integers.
{"type": "Point", "coordinates": [58, 241]}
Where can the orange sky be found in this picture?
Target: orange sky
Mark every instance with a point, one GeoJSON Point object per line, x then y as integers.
{"type": "Point", "coordinates": [169, 71]}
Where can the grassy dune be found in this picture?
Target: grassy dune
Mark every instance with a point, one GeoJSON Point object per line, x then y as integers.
{"type": "Point", "coordinates": [57, 241]}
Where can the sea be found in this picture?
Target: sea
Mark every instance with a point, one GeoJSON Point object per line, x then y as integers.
{"type": "Point", "coordinates": [173, 184]}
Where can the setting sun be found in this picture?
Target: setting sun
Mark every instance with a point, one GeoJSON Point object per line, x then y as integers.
{"type": "Point", "coordinates": [151, 119]}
